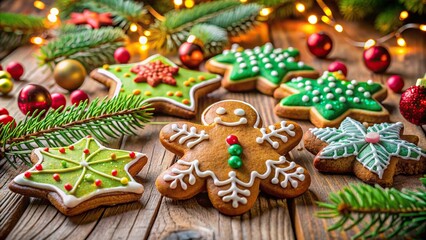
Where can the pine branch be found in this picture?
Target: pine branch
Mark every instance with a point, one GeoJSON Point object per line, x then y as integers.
{"type": "Point", "coordinates": [92, 48]}
{"type": "Point", "coordinates": [387, 20]}
{"type": "Point", "coordinates": [359, 9]}
{"type": "Point", "coordinates": [213, 37]}
{"type": "Point", "coordinates": [101, 119]}
{"type": "Point", "coordinates": [377, 211]}
{"type": "Point", "coordinates": [284, 8]}
{"type": "Point", "coordinates": [415, 6]}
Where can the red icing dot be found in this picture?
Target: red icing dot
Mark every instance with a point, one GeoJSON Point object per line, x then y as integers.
{"type": "Point", "coordinates": [232, 139]}
{"type": "Point", "coordinates": [114, 172]}
{"type": "Point", "coordinates": [68, 187]}
{"type": "Point", "coordinates": [46, 149]}
{"type": "Point", "coordinates": [89, 136]}
{"type": "Point", "coordinates": [71, 147]}
{"type": "Point", "coordinates": [132, 155]}
{"type": "Point", "coordinates": [86, 151]}
{"type": "Point", "coordinates": [98, 182]}
{"type": "Point", "coordinates": [62, 150]}
{"type": "Point", "coordinates": [56, 177]}
{"type": "Point", "coordinates": [39, 167]}
{"type": "Point", "coordinates": [27, 174]}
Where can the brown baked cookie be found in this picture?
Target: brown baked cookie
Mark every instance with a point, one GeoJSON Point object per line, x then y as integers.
{"type": "Point", "coordinates": [168, 88]}
{"type": "Point", "coordinates": [233, 157]}
{"type": "Point", "coordinates": [374, 154]}
{"type": "Point", "coordinates": [263, 68]}
{"type": "Point", "coordinates": [328, 100]}
{"type": "Point", "coordinates": [82, 176]}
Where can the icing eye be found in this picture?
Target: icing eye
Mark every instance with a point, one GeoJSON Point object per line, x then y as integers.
{"type": "Point", "coordinates": [239, 112]}
{"type": "Point", "coordinates": [220, 110]}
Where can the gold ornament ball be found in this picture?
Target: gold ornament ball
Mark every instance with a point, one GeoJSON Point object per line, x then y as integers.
{"type": "Point", "coordinates": [6, 85]}
{"type": "Point", "coordinates": [4, 74]}
{"type": "Point", "coordinates": [69, 74]}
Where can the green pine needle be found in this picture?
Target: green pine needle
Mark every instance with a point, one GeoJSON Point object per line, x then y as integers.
{"type": "Point", "coordinates": [386, 20]}
{"type": "Point", "coordinates": [213, 37]}
{"type": "Point", "coordinates": [92, 48]}
{"type": "Point", "coordinates": [415, 6]}
{"type": "Point", "coordinates": [102, 119]}
{"type": "Point", "coordinates": [377, 211]}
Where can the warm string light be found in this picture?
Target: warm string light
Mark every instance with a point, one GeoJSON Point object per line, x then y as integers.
{"type": "Point", "coordinates": [264, 12]}
{"type": "Point", "coordinates": [312, 19]}
{"type": "Point", "coordinates": [189, 3]}
{"type": "Point", "coordinates": [300, 7]}
{"type": "Point", "coordinates": [37, 40]}
{"type": "Point", "coordinates": [133, 27]}
{"type": "Point", "coordinates": [39, 5]}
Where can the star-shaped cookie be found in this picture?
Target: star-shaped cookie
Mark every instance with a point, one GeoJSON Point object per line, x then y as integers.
{"type": "Point", "coordinates": [93, 19]}
{"type": "Point", "coordinates": [262, 68]}
{"type": "Point", "coordinates": [82, 176]}
{"type": "Point", "coordinates": [177, 98]}
{"type": "Point", "coordinates": [328, 100]}
{"type": "Point", "coordinates": [233, 157]}
{"type": "Point", "coordinates": [374, 154]}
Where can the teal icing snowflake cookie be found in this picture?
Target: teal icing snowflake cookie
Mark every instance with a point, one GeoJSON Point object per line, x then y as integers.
{"type": "Point", "coordinates": [374, 154]}
{"type": "Point", "coordinates": [263, 68]}
{"type": "Point", "coordinates": [328, 100]}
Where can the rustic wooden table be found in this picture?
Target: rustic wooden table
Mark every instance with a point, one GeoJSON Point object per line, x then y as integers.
{"type": "Point", "coordinates": [156, 217]}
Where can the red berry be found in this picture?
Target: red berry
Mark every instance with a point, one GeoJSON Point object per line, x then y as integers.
{"type": "Point", "coordinates": [39, 167]}
{"type": "Point", "coordinates": [114, 172]}
{"type": "Point", "coordinates": [395, 83]}
{"type": "Point", "coordinates": [62, 150]}
{"type": "Point", "coordinates": [58, 100]}
{"type": "Point", "coordinates": [78, 96]}
{"type": "Point", "coordinates": [46, 149]}
{"type": "Point", "coordinates": [86, 151]}
{"type": "Point", "coordinates": [232, 139]}
{"type": "Point", "coordinates": [56, 177]}
{"type": "Point", "coordinates": [27, 174]}
{"type": "Point", "coordinates": [338, 66]}
{"type": "Point", "coordinates": [71, 147]}
{"type": "Point", "coordinates": [3, 111]}
{"type": "Point", "coordinates": [121, 55]}
{"type": "Point", "coordinates": [15, 69]}
{"type": "Point", "coordinates": [132, 155]}
{"type": "Point", "coordinates": [98, 182]}
{"type": "Point", "coordinates": [5, 119]}
{"type": "Point", "coordinates": [68, 187]}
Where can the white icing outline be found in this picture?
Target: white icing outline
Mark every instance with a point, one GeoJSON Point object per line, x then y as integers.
{"type": "Point", "coordinates": [220, 111]}
{"type": "Point", "coordinates": [188, 135]}
{"type": "Point", "coordinates": [239, 112]}
{"type": "Point", "coordinates": [219, 120]}
{"type": "Point", "coordinates": [233, 192]}
{"type": "Point", "coordinates": [71, 201]}
{"type": "Point", "coordinates": [154, 99]}
{"type": "Point", "coordinates": [275, 133]}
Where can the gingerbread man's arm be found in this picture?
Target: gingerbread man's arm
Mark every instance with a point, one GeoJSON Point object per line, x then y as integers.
{"type": "Point", "coordinates": [182, 136]}
{"type": "Point", "coordinates": [282, 136]}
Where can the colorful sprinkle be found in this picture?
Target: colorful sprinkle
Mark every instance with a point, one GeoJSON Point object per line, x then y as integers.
{"type": "Point", "coordinates": [132, 155]}
{"type": "Point", "coordinates": [235, 150]}
{"type": "Point", "coordinates": [191, 79]}
{"type": "Point", "coordinates": [170, 93]}
{"type": "Point", "coordinates": [201, 78]}
{"type": "Point", "coordinates": [27, 174]}
{"type": "Point", "coordinates": [235, 162]}
{"type": "Point", "coordinates": [56, 177]}
{"type": "Point", "coordinates": [147, 93]}
{"type": "Point", "coordinates": [178, 94]}
{"type": "Point", "coordinates": [185, 101]}
{"type": "Point", "coordinates": [64, 164]}
{"type": "Point", "coordinates": [232, 139]}
{"type": "Point", "coordinates": [122, 90]}
{"type": "Point", "coordinates": [68, 187]}
{"type": "Point", "coordinates": [71, 147]}
{"type": "Point", "coordinates": [136, 92]}
{"type": "Point", "coordinates": [98, 182]}
{"type": "Point", "coordinates": [187, 83]}
{"type": "Point", "coordinates": [38, 167]}
{"type": "Point", "coordinates": [62, 150]}
{"type": "Point", "coordinates": [117, 69]}
{"type": "Point", "coordinates": [127, 75]}
{"type": "Point", "coordinates": [46, 149]}
{"type": "Point", "coordinates": [105, 66]}
{"type": "Point", "coordinates": [124, 181]}
{"type": "Point", "coordinates": [88, 177]}
{"type": "Point", "coordinates": [113, 156]}
{"type": "Point", "coordinates": [86, 151]}
{"type": "Point", "coordinates": [114, 172]}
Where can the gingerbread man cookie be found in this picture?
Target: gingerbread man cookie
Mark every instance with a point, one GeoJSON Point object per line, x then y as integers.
{"type": "Point", "coordinates": [263, 68]}
{"type": "Point", "coordinates": [232, 157]}
{"type": "Point", "coordinates": [374, 154]}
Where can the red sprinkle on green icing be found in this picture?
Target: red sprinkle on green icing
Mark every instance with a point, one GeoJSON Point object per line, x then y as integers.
{"type": "Point", "coordinates": [38, 167]}
{"type": "Point", "coordinates": [68, 187]}
{"type": "Point", "coordinates": [56, 177]}
{"type": "Point", "coordinates": [27, 174]}
{"type": "Point", "coordinates": [61, 150]}
{"type": "Point", "coordinates": [71, 147]}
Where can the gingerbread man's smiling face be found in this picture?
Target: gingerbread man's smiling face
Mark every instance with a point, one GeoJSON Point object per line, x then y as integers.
{"type": "Point", "coordinates": [231, 114]}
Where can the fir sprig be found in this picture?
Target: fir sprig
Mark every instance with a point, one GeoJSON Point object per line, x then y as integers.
{"type": "Point", "coordinates": [92, 48]}
{"type": "Point", "coordinates": [100, 118]}
{"type": "Point", "coordinates": [377, 211]}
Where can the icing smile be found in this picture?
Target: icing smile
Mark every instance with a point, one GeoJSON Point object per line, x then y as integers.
{"type": "Point", "coordinates": [242, 120]}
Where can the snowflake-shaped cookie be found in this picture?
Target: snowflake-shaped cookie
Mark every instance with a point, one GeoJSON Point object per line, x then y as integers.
{"type": "Point", "coordinates": [375, 154]}
{"type": "Point", "coordinates": [232, 157]}
{"type": "Point", "coordinates": [263, 68]}
{"type": "Point", "coordinates": [326, 101]}
{"type": "Point", "coordinates": [82, 176]}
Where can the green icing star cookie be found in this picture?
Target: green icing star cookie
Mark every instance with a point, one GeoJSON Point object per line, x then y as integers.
{"type": "Point", "coordinates": [326, 101]}
{"type": "Point", "coordinates": [83, 176]}
{"type": "Point", "coordinates": [174, 94]}
{"type": "Point", "coordinates": [262, 68]}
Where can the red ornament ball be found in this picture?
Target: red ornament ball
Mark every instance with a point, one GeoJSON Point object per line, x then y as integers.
{"type": "Point", "coordinates": [121, 55]}
{"type": "Point", "coordinates": [5, 119]}
{"type": "Point", "coordinates": [232, 139]}
{"type": "Point", "coordinates": [15, 69]}
{"type": "Point", "coordinates": [395, 83]}
{"type": "Point", "coordinates": [320, 44]}
{"type": "Point", "coordinates": [34, 97]}
{"type": "Point", "coordinates": [338, 66]}
{"type": "Point", "coordinates": [191, 55]}
{"type": "Point", "coordinates": [377, 59]}
{"type": "Point", "coordinates": [78, 96]}
{"type": "Point", "coordinates": [56, 177]}
{"type": "Point", "coordinates": [3, 111]}
{"type": "Point", "coordinates": [413, 103]}
{"type": "Point", "coordinates": [58, 100]}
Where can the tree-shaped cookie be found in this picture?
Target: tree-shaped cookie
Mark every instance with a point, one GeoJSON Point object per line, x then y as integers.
{"type": "Point", "coordinates": [82, 176]}
{"type": "Point", "coordinates": [167, 87]}
{"type": "Point", "coordinates": [232, 157]}
{"type": "Point", "coordinates": [328, 100]}
{"type": "Point", "coordinates": [374, 154]}
{"type": "Point", "coordinates": [263, 68]}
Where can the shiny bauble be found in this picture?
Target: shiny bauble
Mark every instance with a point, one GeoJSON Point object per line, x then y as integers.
{"type": "Point", "coordinates": [69, 74]}
{"type": "Point", "coordinates": [5, 119]}
{"type": "Point", "coordinates": [4, 74]}
{"type": "Point", "coordinates": [33, 98]}
{"type": "Point", "coordinates": [413, 103]}
{"type": "Point", "coordinates": [377, 59]}
{"type": "Point", "coordinates": [191, 55]}
{"type": "Point", "coordinates": [78, 96]}
{"type": "Point", "coordinates": [6, 85]}
{"type": "Point", "coordinates": [3, 111]}
{"type": "Point", "coordinates": [15, 69]}
{"type": "Point", "coordinates": [338, 66]}
{"type": "Point", "coordinates": [58, 100]}
{"type": "Point", "coordinates": [320, 44]}
{"type": "Point", "coordinates": [395, 83]}
{"type": "Point", "coordinates": [121, 55]}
